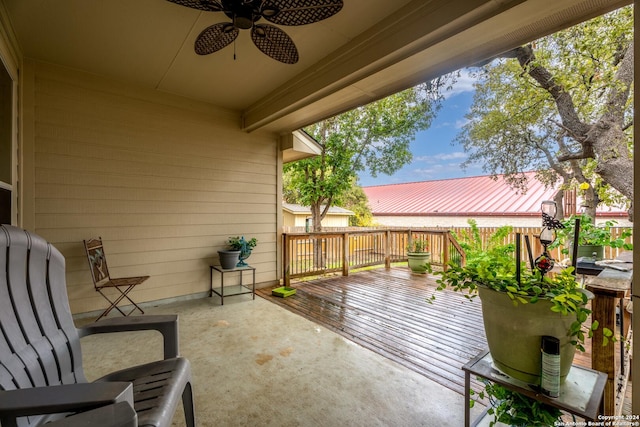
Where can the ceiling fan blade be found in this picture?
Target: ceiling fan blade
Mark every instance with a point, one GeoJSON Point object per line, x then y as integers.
{"type": "Point", "coordinates": [274, 42]}
{"type": "Point", "coordinates": [299, 12]}
{"type": "Point", "coordinates": [215, 37]}
{"type": "Point", "coordinates": [206, 5]}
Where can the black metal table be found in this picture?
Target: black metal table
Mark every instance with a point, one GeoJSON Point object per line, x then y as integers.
{"type": "Point", "coordinates": [239, 289]}
{"type": "Point", "coordinates": [588, 267]}
{"type": "Point", "coordinates": [581, 393]}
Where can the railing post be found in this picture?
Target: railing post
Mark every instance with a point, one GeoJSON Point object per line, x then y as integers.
{"type": "Point", "coordinates": [608, 287]}
{"type": "Point", "coordinates": [286, 259]}
{"type": "Point", "coordinates": [387, 249]}
{"type": "Point", "coordinates": [345, 254]}
{"type": "Point", "coordinates": [445, 248]}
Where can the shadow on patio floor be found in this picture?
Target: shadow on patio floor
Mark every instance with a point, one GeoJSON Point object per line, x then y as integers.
{"type": "Point", "coordinates": [255, 363]}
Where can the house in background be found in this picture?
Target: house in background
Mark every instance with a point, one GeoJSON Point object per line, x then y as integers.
{"type": "Point", "coordinates": [451, 202]}
{"type": "Point", "coordinates": [295, 217]}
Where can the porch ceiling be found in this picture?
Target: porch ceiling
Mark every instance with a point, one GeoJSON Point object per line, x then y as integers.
{"type": "Point", "coordinates": [368, 50]}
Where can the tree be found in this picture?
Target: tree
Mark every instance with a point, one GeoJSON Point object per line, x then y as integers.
{"type": "Point", "coordinates": [563, 106]}
{"type": "Point", "coordinates": [374, 137]}
{"type": "Point", "coordinates": [353, 199]}
{"type": "Point", "coordinates": [356, 201]}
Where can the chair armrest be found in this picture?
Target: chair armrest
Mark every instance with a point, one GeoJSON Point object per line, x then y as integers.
{"type": "Point", "coordinates": [166, 324]}
{"type": "Point", "coordinates": [119, 414]}
{"type": "Point", "coordinates": [60, 399]}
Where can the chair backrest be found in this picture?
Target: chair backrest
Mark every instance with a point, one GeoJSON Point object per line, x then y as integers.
{"type": "Point", "coordinates": [97, 261]}
{"type": "Point", "coordinates": [39, 343]}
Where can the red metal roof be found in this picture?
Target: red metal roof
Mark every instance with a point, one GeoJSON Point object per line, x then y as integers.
{"type": "Point", "coordinates": [474, 196]}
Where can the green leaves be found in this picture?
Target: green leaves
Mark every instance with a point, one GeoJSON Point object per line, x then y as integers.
{"type": "Point", "coordinates": [607, 335]}
{"type": "Point", "coordinates": [533, 108]}
{"type": "Point", "coordinates": [495, 269]}
{"type": "Point", "coordinates": [376, 137]}
{"type": "Point", "coordinates": [512, 408]}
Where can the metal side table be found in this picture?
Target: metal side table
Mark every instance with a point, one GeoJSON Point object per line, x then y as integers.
{"type": "Point", "coordinates": [581, 393]}
{"type": "Point", "coordinates": [232, 290]}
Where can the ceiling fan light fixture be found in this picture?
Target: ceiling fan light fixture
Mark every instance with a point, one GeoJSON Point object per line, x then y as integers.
{"type": "Point", "coordinates": [242, 22]}
{"type": "Point", "coordinates": [270, 11]}
{"type": "Point", "coordinates": [228, 28]}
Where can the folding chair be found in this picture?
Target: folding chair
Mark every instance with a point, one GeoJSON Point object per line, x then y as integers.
{"type": "Point", "coordinates": [102, 280]}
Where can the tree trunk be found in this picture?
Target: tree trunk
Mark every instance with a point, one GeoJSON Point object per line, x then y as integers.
{"type": "Point", "coordinates": [614, 164]}
{"type": "Point", "coordinates": [559, 199]}
{"type": "Point", "coordinates": [316, 219]}
{"type": "Point", "coordinates": [603, 140]}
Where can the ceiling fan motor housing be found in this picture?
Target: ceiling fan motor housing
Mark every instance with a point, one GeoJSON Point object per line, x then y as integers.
{"type": "Point", "coordinates": [243, 14]}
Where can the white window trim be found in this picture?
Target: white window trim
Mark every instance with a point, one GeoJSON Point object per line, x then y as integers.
{"type": "Point", "coordinates": [10, 59]}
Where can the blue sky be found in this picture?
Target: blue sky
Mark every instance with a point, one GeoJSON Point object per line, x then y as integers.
{"type": "Point", "coordinates": [434, 154]}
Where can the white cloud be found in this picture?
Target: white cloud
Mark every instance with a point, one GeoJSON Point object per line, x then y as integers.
{"type": "Point", "coordinates": [433, 159]}
{"type": "Point", "coordinates": [443, 166]}
{"type": "Point", "coordinates": [458, 124]}
{"type": "Point", "coordinates": [463, 84]}
{"type": "Point", "coordinates": [451, 156]}
{"type": "Point", "coordinates": [437, 171]}
{"type": "Point", "coordinates": [461, 122]}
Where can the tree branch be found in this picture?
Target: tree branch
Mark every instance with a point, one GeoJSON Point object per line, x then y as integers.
{"type": "Point", "coordinates": [566, 108]}
{"type": "Point", "coordinates": [619, 92]}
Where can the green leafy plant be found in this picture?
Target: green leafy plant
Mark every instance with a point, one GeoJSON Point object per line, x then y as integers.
{"type": "Point", "coordinates": [235, 243]}
{"type": "Point", "coordinates": [493, 248]}
{"type": "Point", "coordinates": [516, 409]}
{"type": "Point", "coordinates": [562, 289]}
{"type": "Point", "coordinates": [590, 234]}
{"type": "Point", "coordinates": [418, 245]}
{"type": "Point", "coordinates": [494, 266]}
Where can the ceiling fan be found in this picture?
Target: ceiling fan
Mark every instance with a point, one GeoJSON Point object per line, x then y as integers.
{"type": "Point", "coordinates": [245, 14]}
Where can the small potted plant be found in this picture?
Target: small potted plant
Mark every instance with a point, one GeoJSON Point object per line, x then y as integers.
{"type": "Point", "coordinates": [239, 250]}
{"type": "Point", "coordinates": [245, 247]}
{"type": "Point", "coordinates": [592, 238]}
{"type": "Point", "coordinates": [418, 254]}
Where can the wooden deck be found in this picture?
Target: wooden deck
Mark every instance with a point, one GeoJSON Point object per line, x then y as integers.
{"type": "Point", "coordinates": [387, 312]}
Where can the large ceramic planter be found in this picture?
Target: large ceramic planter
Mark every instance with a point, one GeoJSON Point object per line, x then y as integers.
{"type": "Point", "coordinates": [228, 259]}
{"type": "Point", "coordinates": [417, 261]}
{"type": "Point", "coordinates": [514, 334]}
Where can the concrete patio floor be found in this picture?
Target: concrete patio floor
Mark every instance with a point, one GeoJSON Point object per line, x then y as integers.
{"type": "Point", "coordinates": [255, 363]}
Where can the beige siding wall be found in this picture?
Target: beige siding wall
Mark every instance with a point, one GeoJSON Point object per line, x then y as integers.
{"type": "Point", "coordinates": [299, 220]}
{"type": "Point", "coordinates": [330, 221]}
{"type": "Point", "coordinates": [162, 179]}
{"type": "Point", "coordinates": [289, 219]}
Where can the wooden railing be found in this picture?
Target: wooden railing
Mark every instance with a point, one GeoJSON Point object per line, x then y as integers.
{"type": "Point", "coordinates": [308, 254]}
